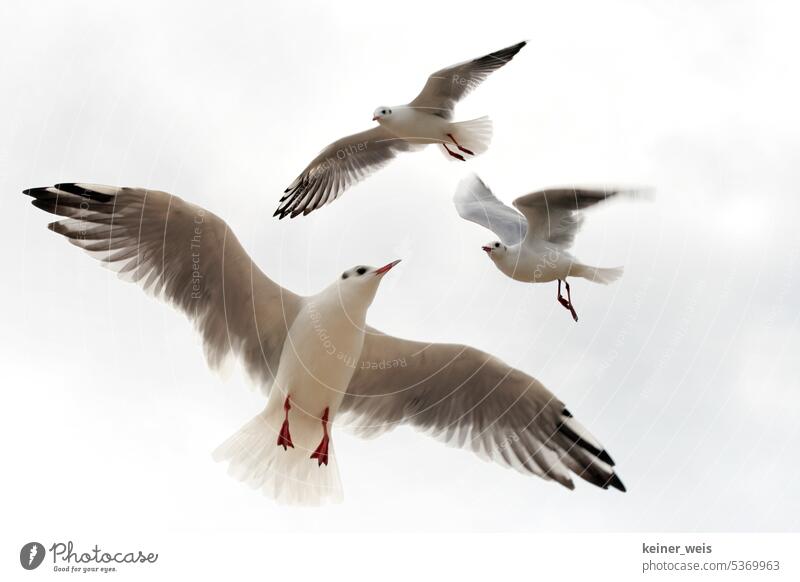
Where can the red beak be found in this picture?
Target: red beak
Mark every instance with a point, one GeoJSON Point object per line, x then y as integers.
{"type": "Point", "coordinates": [487, 249]}
{"type": "Point", "coordinates": [374, 118]}
{"type": "Point", "coordinates": [386, 268]}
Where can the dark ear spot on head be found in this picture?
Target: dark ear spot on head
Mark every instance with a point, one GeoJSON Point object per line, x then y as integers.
{"type": "Point", "coordinates": [361, 270]}
{"type": "Point", "coordinates": [344, 275]}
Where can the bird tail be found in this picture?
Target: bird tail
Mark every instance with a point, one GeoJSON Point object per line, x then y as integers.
{"type": "Point", "coordinates": [473, 137]}
{"type": "Point", "coordinates": [600, 275]}
{"type": "Point", "coordinates": [288, 475]}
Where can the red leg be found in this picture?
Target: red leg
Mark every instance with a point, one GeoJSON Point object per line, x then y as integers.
{"type": "Point", "coordinates": [284, 438]}
{"type": "Point", "coordinates": [567, 303]}
{"type": "Point", "coordinates": [560, 297]}
{"type": "Point", "coordinates": [321, 453]}
{"type": "Point", "coordinates": [465, 150]}
{"type": "Point", "coordinates": [454, 154]}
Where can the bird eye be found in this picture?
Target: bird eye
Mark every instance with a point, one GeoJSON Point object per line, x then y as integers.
{"type": "Point", "coordinates": [383, 112]}
{"type": "Point", "coordinates": [361, 270]}
{"type": "Point", "coordinates": [496, 245]}
{"type": "Point", "coordinates": [344, 275]}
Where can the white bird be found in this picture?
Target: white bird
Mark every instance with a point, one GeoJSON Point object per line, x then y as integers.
{"type": "Point", "coordinates": [533, 245]}
{"type": "Point", "coordinates": [428, 119]}
{"type": "Point", "coordinates": [318, 359]}
{"type": "Point", "coordinates": [189, 257]}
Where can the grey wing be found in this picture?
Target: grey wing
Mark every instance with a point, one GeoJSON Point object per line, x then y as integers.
{"type": "Point", "coordinates": [473, 400]}
{"type": "Point", "coordinates": [446, 87]}
{"type": "Point", "coordinates": [554, 214]}
{"type": "Point", "coordinates": [185, 255]}
{"type": "Point", "coordinates": [475, 202]}
{"type": "Point", "coordinates": [337, 167]}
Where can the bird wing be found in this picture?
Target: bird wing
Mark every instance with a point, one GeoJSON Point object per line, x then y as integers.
{"type": "Point", "coordinates": [554, 214]}
{"type": "Point", "coordinates": [446, 87]}
{"type": "Point", "coordinates": [185, 255]}
{"type": "Point", "coordinates": [339, 166]}
{"type": "Point", "coordinates": [472, 400]}
{"type": "Point", "coordinates": [475, 202]}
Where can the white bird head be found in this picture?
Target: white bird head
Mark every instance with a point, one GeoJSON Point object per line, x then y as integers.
{"type": "Point", "coordinates": [495, 249]}
{"type": "Point", "coordinates": [360, 283]}
{"type": "Point", "coordinates": [380, 113]}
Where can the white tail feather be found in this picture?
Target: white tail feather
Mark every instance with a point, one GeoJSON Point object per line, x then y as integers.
{"type": "Point", "coordinates": [474, 135]}
{"type": "Point", "coordinates": [288, 476]}
{"type": "Point", "coordinates": [603, 276]}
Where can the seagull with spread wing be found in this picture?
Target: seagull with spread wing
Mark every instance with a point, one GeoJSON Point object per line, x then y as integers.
{"type": "Point", "coordinates": [454, 392]}
{"type": "Point", "coordinates": [533, 245]}
{"type": "Point", "coordinates": [428, 119]}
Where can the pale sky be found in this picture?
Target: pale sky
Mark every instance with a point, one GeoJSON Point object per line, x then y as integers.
{"type": "Point", "coordinates": [686, 369]}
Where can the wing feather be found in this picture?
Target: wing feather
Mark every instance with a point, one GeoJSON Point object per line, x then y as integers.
{"type": "Point", "coordinates": [446, 87]}
{"type": "Point", "coordinates": [555, 214]}
{"type": "Point", "coordinates": [186, 256]}
{"type": "Point", "coordinates": [339, 166]}
{"type": "Point", "coordinates": [471, 399]}
{"type": "Point", "coordinates": [475, 202]}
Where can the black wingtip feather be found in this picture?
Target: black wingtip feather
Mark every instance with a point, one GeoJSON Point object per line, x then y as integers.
{"type": "Point", "coordinates": [72, 188]}
{"type": "Point", "coordinates": [615, 482]}
{"type": "Point", "coordinates": [605, 457]}
{"type": "Point", "coordinates": [510, 52]}
{"type": "Point", "coordinates": [46, 205]}
{"type": "Point", "coordinates": [578, 441]}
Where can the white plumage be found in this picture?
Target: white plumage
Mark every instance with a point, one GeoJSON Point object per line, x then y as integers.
{"type": "Point", "coordinates": [534, 242]}
{"type": "Point", "coordinates": [454, 392]}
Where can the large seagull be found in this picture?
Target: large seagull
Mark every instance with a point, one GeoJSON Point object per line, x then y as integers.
{"type": "Point", "coordinates": [428, 119]}
{"type": "Point", "coordinates": [189, 257]}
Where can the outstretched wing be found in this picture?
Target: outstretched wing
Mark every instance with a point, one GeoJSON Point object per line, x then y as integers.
{"type": "Point", "coordinates": [337, 167]}
{"type": "Point", "coordinates": [473, 400]}
{"type": "Point", "coordinates": [446, 87]}
{"type": "Point", "coordinates": [475, 202]}
{"type": "Point", "coordinates": [554, 214]}
{"type": "Point", "coordinates": [185, 255]}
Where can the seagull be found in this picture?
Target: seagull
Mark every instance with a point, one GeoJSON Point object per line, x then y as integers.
{"type": "Point", "coordinates": [317, 361]}
{"type": "Point", "coordinates": [533, 246]}
{"type": "Point", "coordinates": [190, 258]}
{"type": "Point", "coordinates": [428, 119]}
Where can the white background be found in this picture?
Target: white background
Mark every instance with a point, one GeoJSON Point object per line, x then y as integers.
{"type": "Point", "coordinates": [686, 369]}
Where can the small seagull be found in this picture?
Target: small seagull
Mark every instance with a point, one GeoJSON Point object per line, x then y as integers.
{"type": "Point", "coordinates": [425, 120]}
{"type": "Point", "coordinates": [306, 353]}
{"type": "Point", "coordinates": [533, 245]}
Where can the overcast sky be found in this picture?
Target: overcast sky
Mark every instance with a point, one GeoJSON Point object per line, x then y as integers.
{"type": "Point", "coordinates": [686, 369]}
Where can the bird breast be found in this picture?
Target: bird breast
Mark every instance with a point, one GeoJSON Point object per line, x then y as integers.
{"type": "Point", "coordinates": [533, 265]}
{"type": "Point", "coordinates": [320, 355]}
{"type": "Point", "coordinates": [415, 125]}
